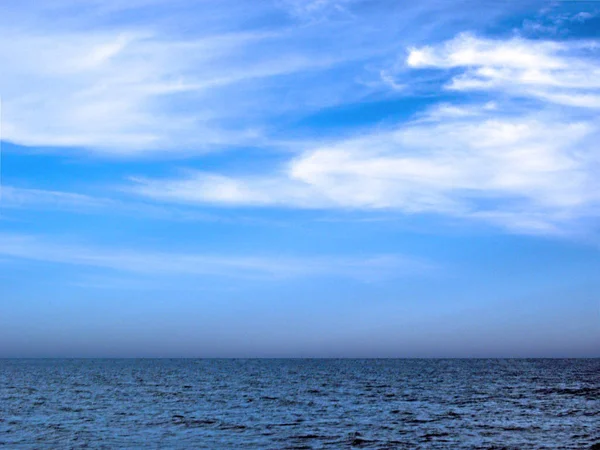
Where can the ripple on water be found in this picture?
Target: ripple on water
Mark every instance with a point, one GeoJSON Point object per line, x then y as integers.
{"type": "Point", "coordinates": [274, 404]}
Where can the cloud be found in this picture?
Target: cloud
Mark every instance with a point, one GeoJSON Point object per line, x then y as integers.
{"type": "Point", "coordinates": [164, 264]}
{"type": "Point", "coordinates": [21, 197]}
{"type": "Point", "coordinates": [557, 23]}
{"type": "Point", "coordinates": [479, 166]}
{"type": "Point", "coordinates": [317, 10]}
{"type": "Point", "coordinates": [526, 167]}
{"type": "Point", "coordinates": [135, 89]}
{"type": "Point", "coordinates": [15, 198]}
{"type": "Point", "coordinates": [565, 73]}
{"type": "Point", "coordinates": [131, 78]}
{"type": "Point", "coordinates": [116, 91]}
{"type": "Point", "coordinates": [131, 89]}
{"type": "Point", "coordinates": [515, 145]}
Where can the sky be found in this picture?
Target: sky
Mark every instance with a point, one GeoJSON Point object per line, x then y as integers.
{"type": "Point", "coordinates": [300, 178]}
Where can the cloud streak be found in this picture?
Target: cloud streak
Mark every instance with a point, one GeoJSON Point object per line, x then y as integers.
{"type": "Point", "coordinates": [15, 198]}
{"type": "Point", "coordinates": [541, 171]}
{"type": "Point", "coordinates": [194, 77]}
{"type": "Point", "coordinates": [168, 264]}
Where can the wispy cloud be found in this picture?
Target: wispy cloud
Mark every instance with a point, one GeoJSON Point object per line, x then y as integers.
{"type": "Point", "coordinates": [165, 264]}
{"type": "Point", "coordinates": [117, 92]}
{"type": "Point", "coordinates": [566, 73]}
{"type": "Point", "coordinates": [551, 22]}
{"type": "Point", "coordinates": [22, 197]}
{"type": "Point", "coordinates": [531, 168]}
{"type": "Point", "coordinates": [318, 10]}
{"type": "Point", "coordinates": [193, 77]}
{"type": "Point", "coordinates": [133, 89]}
{"type": "Point", "coordinates": [51, 200]}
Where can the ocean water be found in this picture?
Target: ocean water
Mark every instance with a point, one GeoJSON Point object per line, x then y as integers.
{"type": "Point", "coordinates": [299, 404]}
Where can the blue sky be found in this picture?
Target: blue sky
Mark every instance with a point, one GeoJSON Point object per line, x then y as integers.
{"type": "Point", "coordinates": [300, 178]}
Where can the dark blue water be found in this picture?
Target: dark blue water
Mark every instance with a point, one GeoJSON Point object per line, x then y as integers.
{"type": "Point", "coordinates": [301, 404]}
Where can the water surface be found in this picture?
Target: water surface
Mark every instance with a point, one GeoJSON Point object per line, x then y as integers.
{"type": "Point", "coordinates": [300, 404]}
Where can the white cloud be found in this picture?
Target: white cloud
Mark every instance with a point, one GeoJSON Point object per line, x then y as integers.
{"type": "Point", "coordinates": [183, 77]}
{"type": "Point", "coordinates": [115, 92]}
{"type": "Point", "coordinates": [566, 73]}
{"type": "Point", "coordinates": [157, 263]}
{"type": "Point", "coordinates": [527, 167]}
{"type": "Point", "coordinates": [131, 89]}
{"type": "Point", "coordinates": [480, 167]}
{"type": "Point", "coordinates": [443, 111]}
{"type": "Point", "coordinates": [522, 164]}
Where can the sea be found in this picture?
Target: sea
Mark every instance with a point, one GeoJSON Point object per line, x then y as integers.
{"type": "Point", "coordinates": [300, 403]}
